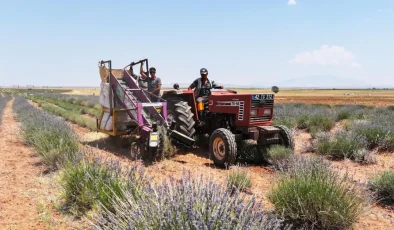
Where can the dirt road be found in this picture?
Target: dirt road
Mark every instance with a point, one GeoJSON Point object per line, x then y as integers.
{"type": "Point", "coordinates": [25, 192]}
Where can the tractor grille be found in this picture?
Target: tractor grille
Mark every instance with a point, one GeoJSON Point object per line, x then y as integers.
{"type": "Point", "coordinates": [262, 103]}
{"type": "Point", "coordinates": [260, 119]}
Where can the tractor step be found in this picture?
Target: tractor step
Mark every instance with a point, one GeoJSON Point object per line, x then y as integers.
{"type": "Point", "coordinates": [274, 140]}
{"type": "Point", "coordinates": [175, 135]}
{"type": "Point", "coordinates": [268, 129]}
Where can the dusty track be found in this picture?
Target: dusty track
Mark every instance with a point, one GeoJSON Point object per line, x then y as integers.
{"type": "Point", "coordinates": [25, 193]}
{"type": "Point", "coordinates": [18, 179]}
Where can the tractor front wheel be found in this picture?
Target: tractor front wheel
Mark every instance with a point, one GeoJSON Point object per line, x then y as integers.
{"type": "Point", "coordinates": [285, 137]}
{"type": "Point", "coordinates": [222, 147]}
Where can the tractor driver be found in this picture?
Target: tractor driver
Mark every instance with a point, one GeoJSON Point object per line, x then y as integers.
{"type": "Point", "coordinates": [202, 86]}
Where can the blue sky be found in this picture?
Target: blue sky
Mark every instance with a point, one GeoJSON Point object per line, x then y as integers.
{"type": "Point", "coordinates": [239, 42]}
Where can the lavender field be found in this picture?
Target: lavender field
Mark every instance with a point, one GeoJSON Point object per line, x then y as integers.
{"type": "Point", "coordinates": [113, 194]}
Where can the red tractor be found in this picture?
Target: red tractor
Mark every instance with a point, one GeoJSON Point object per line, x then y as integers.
{"type": "Point", "coordinates": [227, 117]}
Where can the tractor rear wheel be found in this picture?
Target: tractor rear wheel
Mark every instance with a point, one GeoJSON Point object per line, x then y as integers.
{"type": "Point", "coordinates": [180, 112]}
{"type": "Point", "coordinates": [222, 147]}
{"type": "Point", "coordinates": [285, 137]}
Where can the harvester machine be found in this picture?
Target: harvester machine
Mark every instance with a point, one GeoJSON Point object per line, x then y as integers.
{"type": "Point", "coordinates": [128, 110]}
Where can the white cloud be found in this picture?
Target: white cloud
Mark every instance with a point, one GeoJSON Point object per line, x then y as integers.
{"type": "Point", "coordinates": [326, 55]}
{"type": "Point", "coordinates": [291, 2]}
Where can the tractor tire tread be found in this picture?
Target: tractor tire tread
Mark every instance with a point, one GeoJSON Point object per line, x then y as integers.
{"type": "Point", "coordinates": [183, 116]}
{"type": "Point", "coordinates": [230, 147]}
{"type": "Point", "coordinates": [288, 137]}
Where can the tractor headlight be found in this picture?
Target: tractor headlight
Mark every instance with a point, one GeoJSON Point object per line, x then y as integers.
{"type": "Point", "coordinates": [253, 112]}
{"type": "Point", "coordinates": [267, 112]}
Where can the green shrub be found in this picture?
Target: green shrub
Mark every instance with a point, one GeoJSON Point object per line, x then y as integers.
{"type": "Point", "coordinates": [319, 122]}
{"type": "Point", "coordinates": [71, 115]}
{"type": "Point", "coordinates": [352, 112]}
{"type": "Point", "coordinates": [391, 107]}
{"type": "Point", "coordinates": [238, 179]}
{"type": "Point", "coordinates": [88, 181]}
{"type": "Point", "coordinates": [312, 194]}
{"type": "Point", "coordinates": [340, 145]}
{"type": "Point", "coordinates": [342, 115]}
{"type": "Point", "coordinates": [383, 185]}
{"type": "Point", "coordinates": [73, 107]}
{"type": "Point", "coordinates": [279, 155]}
{"type": "Point", "coordinates": [378, 133]}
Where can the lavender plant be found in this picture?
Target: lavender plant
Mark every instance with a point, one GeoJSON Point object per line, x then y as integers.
{"type": "Point", "coordinates": [340, 145]}
{"type": "Point", "coordinates": [89, 179]}
{"type": "Point", "coordinates": [70, 115]}
{"type": "Point", "coordinates": [378, 131]}
{"type": "Point", "coordinates": [191, 203]}
{"type": "Point", "coordinates": [52, 138]}
{"type": "Point", "coordinates": [383, 185]}
{"type": "Point", "coordinates": [311, 117]}
{"type": "Point", "coordinates": [82, 100]}
{"type": "Point", "coordinates": [352, 112]}
{"type": "Point", "coordinates": [311, 195]}
{"type": "Point", "coordinates": [279, 155]}
{"type": "Point", "coordinates": [238, 179]}
{"type": "Point", "coordinates": [68, 106]}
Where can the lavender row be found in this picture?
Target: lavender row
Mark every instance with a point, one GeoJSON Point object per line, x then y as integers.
{"type": "Point", "coordinates": [51, 136]}
{"type": "Point", "coordinates": [83, 100]}
{"type": "Point", "coordinates": [189, 203]}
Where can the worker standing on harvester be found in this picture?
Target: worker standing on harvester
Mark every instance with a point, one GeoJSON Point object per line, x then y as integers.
{"type": "Point", "coordinates": [202, 86]}
{"type": "Point", "coordinates": [154, 83]}
{"type": "Point", "coordinates": [142, 81]}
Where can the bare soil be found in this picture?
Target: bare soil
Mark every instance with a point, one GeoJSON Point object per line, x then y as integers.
{"type": "Point", "coordinates": [26, 192]}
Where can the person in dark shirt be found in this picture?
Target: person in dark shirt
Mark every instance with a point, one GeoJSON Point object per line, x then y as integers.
{"type": "Point", "coordinates": [202, 86]}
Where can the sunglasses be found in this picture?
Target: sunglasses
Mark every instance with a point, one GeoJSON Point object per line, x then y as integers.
{"type": "Point", "coordinates": [152, 72]}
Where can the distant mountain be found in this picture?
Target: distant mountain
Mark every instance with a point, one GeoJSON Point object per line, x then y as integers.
{"type": "Point", "coordinates": [322, 82]}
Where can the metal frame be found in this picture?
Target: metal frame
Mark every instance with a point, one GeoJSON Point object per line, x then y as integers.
{"type": "Point", "coordinates": [141, 122]}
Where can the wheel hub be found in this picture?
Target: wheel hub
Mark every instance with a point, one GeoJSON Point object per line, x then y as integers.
{"type": "Point", "coordinates": [219, 148]}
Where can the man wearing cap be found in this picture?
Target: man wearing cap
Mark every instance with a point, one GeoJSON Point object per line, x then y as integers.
{"type": "Point", "coordinates": [202, 86]}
